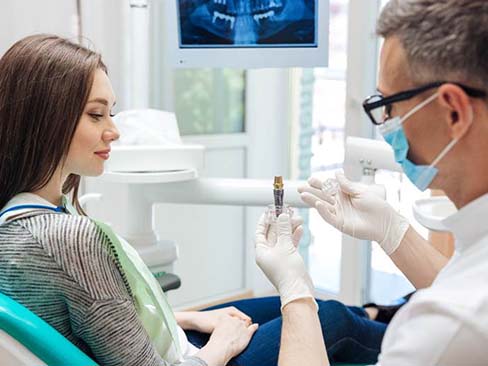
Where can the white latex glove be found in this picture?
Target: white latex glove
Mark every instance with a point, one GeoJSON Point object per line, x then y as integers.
{"type": "Point", "coordinates": [281, 262]}
{"type": "Point", "coordinates": [296, 229]}
{"type": "Point", "coordinates": [357, 211]}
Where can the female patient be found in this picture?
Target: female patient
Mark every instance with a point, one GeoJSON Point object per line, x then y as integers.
{"type": "Point", "coordinates": [55, 126]}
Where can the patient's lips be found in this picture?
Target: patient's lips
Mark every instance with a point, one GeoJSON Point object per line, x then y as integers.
{"type": "Point", "coordinates": [104, 154]}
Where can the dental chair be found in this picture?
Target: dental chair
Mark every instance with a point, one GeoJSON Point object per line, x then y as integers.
{"type": "Point", "coordinates": [27, 340]}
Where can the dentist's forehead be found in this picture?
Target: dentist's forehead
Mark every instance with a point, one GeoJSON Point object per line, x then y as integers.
{"type": "Point", "coordinates": [394, 72]}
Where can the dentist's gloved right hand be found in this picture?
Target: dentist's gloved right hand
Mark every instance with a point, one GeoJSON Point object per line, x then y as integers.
{"type": "Point", "coordinates": [280, 261]}
{"type": "Point", "coordinates": [357, 211]}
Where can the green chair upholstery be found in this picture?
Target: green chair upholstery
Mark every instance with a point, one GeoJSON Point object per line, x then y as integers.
{"type": "Point", "coordinates": [38, 337]}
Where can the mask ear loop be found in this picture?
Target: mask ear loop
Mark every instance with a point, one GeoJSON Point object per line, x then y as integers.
{"type": "Point", "coordinates": [449, 146]}
{"type": "Point", "coordinates": [439, 158]}
{"type": "Point", "coordinates": [415, 110]}
{"type": "Point", "coordinates": [444, 152]}
{"type": "Point", "coordinates": [395, 122]}
{"type": "Point", "coordinates": [418, 107]}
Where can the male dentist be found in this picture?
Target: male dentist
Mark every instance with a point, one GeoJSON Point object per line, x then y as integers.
{"type": "Point", "coordinates": [432, 108]}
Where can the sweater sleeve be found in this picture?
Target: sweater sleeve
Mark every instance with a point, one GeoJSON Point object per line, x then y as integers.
{"type": "Point", "coordinates": [101, 310]}
{"type": "Point", "coordinates": [117, 338]}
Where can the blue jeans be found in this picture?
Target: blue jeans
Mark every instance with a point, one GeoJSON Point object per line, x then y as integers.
{"type": "Point", "coordinates": [349, 335]}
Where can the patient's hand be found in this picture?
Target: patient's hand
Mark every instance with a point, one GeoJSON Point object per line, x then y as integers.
{"type": "Point", "coordinates": [230, 337]}
{"type": "Point", "coordinates": [207, 321]}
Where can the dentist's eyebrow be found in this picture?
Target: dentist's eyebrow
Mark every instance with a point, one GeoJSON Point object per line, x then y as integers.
{"type": "Point", "coordinates": [101, 100]}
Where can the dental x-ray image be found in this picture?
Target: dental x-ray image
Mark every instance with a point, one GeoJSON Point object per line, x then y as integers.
{"type": "Point", "coordinates": [248, 23]}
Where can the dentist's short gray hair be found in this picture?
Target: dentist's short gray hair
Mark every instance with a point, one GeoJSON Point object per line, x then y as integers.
{"type": "Point", "coordinates": [443, 39]}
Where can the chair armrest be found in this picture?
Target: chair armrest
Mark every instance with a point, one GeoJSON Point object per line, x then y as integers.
{"type": "Point", "coordinates": [168, 281]}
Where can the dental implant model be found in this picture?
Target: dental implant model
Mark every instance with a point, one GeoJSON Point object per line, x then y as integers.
{"type": "Point", "coordinates": [330, 186]}
{"type": "Point", "coordinates": [278, 192]}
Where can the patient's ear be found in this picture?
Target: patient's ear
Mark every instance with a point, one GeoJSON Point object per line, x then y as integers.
{"type": "Point", "coordinates": [458, 109]}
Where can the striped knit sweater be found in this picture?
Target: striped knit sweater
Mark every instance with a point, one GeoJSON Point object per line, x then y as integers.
{"type": "Point", "coordinates": [60, 267]}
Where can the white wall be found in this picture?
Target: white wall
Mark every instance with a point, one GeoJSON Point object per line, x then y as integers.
{"type": "Point", "coordinates": [24, 17]}
{"type": "Point", "coordinates": [104, 27]}
{"type": "Point", "coordinates": [106, 24]}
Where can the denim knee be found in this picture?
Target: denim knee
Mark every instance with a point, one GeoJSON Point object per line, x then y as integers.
{"type": "Point", "coordinates": [333, 308]}
{"type": "Point", "coordinates": [336, 320]}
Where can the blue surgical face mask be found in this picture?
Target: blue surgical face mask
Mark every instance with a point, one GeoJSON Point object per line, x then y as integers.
{"type": "Point", "coordinates": [394, 134]}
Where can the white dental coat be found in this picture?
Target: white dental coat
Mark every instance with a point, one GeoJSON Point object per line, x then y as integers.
{"type": "Point", "coordinates": [447, 323]}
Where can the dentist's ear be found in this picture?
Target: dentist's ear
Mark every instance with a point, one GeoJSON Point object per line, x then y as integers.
{"type": "Point", "coordinates": [459, 108]}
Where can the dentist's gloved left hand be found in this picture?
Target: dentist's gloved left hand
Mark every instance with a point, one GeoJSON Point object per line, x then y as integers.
{"type": "Point", "coordinates": [281, 262]}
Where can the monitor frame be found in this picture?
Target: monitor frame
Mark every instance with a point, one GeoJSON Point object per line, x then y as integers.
{"type": "Point", "coordinates": [245, 57]}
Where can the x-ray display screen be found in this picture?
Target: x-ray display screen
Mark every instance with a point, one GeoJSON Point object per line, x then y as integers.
{"type": "Point", "coordinates": [247, 23]}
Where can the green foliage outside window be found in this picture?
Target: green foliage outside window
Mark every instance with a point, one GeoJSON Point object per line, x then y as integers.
{"type": "Point", "coordinates": [210, 101]}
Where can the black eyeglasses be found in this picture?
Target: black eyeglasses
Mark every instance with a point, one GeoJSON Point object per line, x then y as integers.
{"type": "Point", "coordinates": [378, 107]}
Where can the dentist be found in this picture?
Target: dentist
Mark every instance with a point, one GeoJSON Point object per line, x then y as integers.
{"type": "Point", "coordinates": [432, 109]}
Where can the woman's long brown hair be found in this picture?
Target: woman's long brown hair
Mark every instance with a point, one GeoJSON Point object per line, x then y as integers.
{"type": "Point", "coordinates": [45, 81]}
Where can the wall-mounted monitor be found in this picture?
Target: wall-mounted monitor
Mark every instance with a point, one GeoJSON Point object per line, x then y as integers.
{"type": "Point", "coordinates": [247, 33]}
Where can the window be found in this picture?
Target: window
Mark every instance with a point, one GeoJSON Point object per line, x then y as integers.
{"type": "Point", "coordinates": [210, 101]}
{"type": "Point", "coordinates": [328, 122]}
